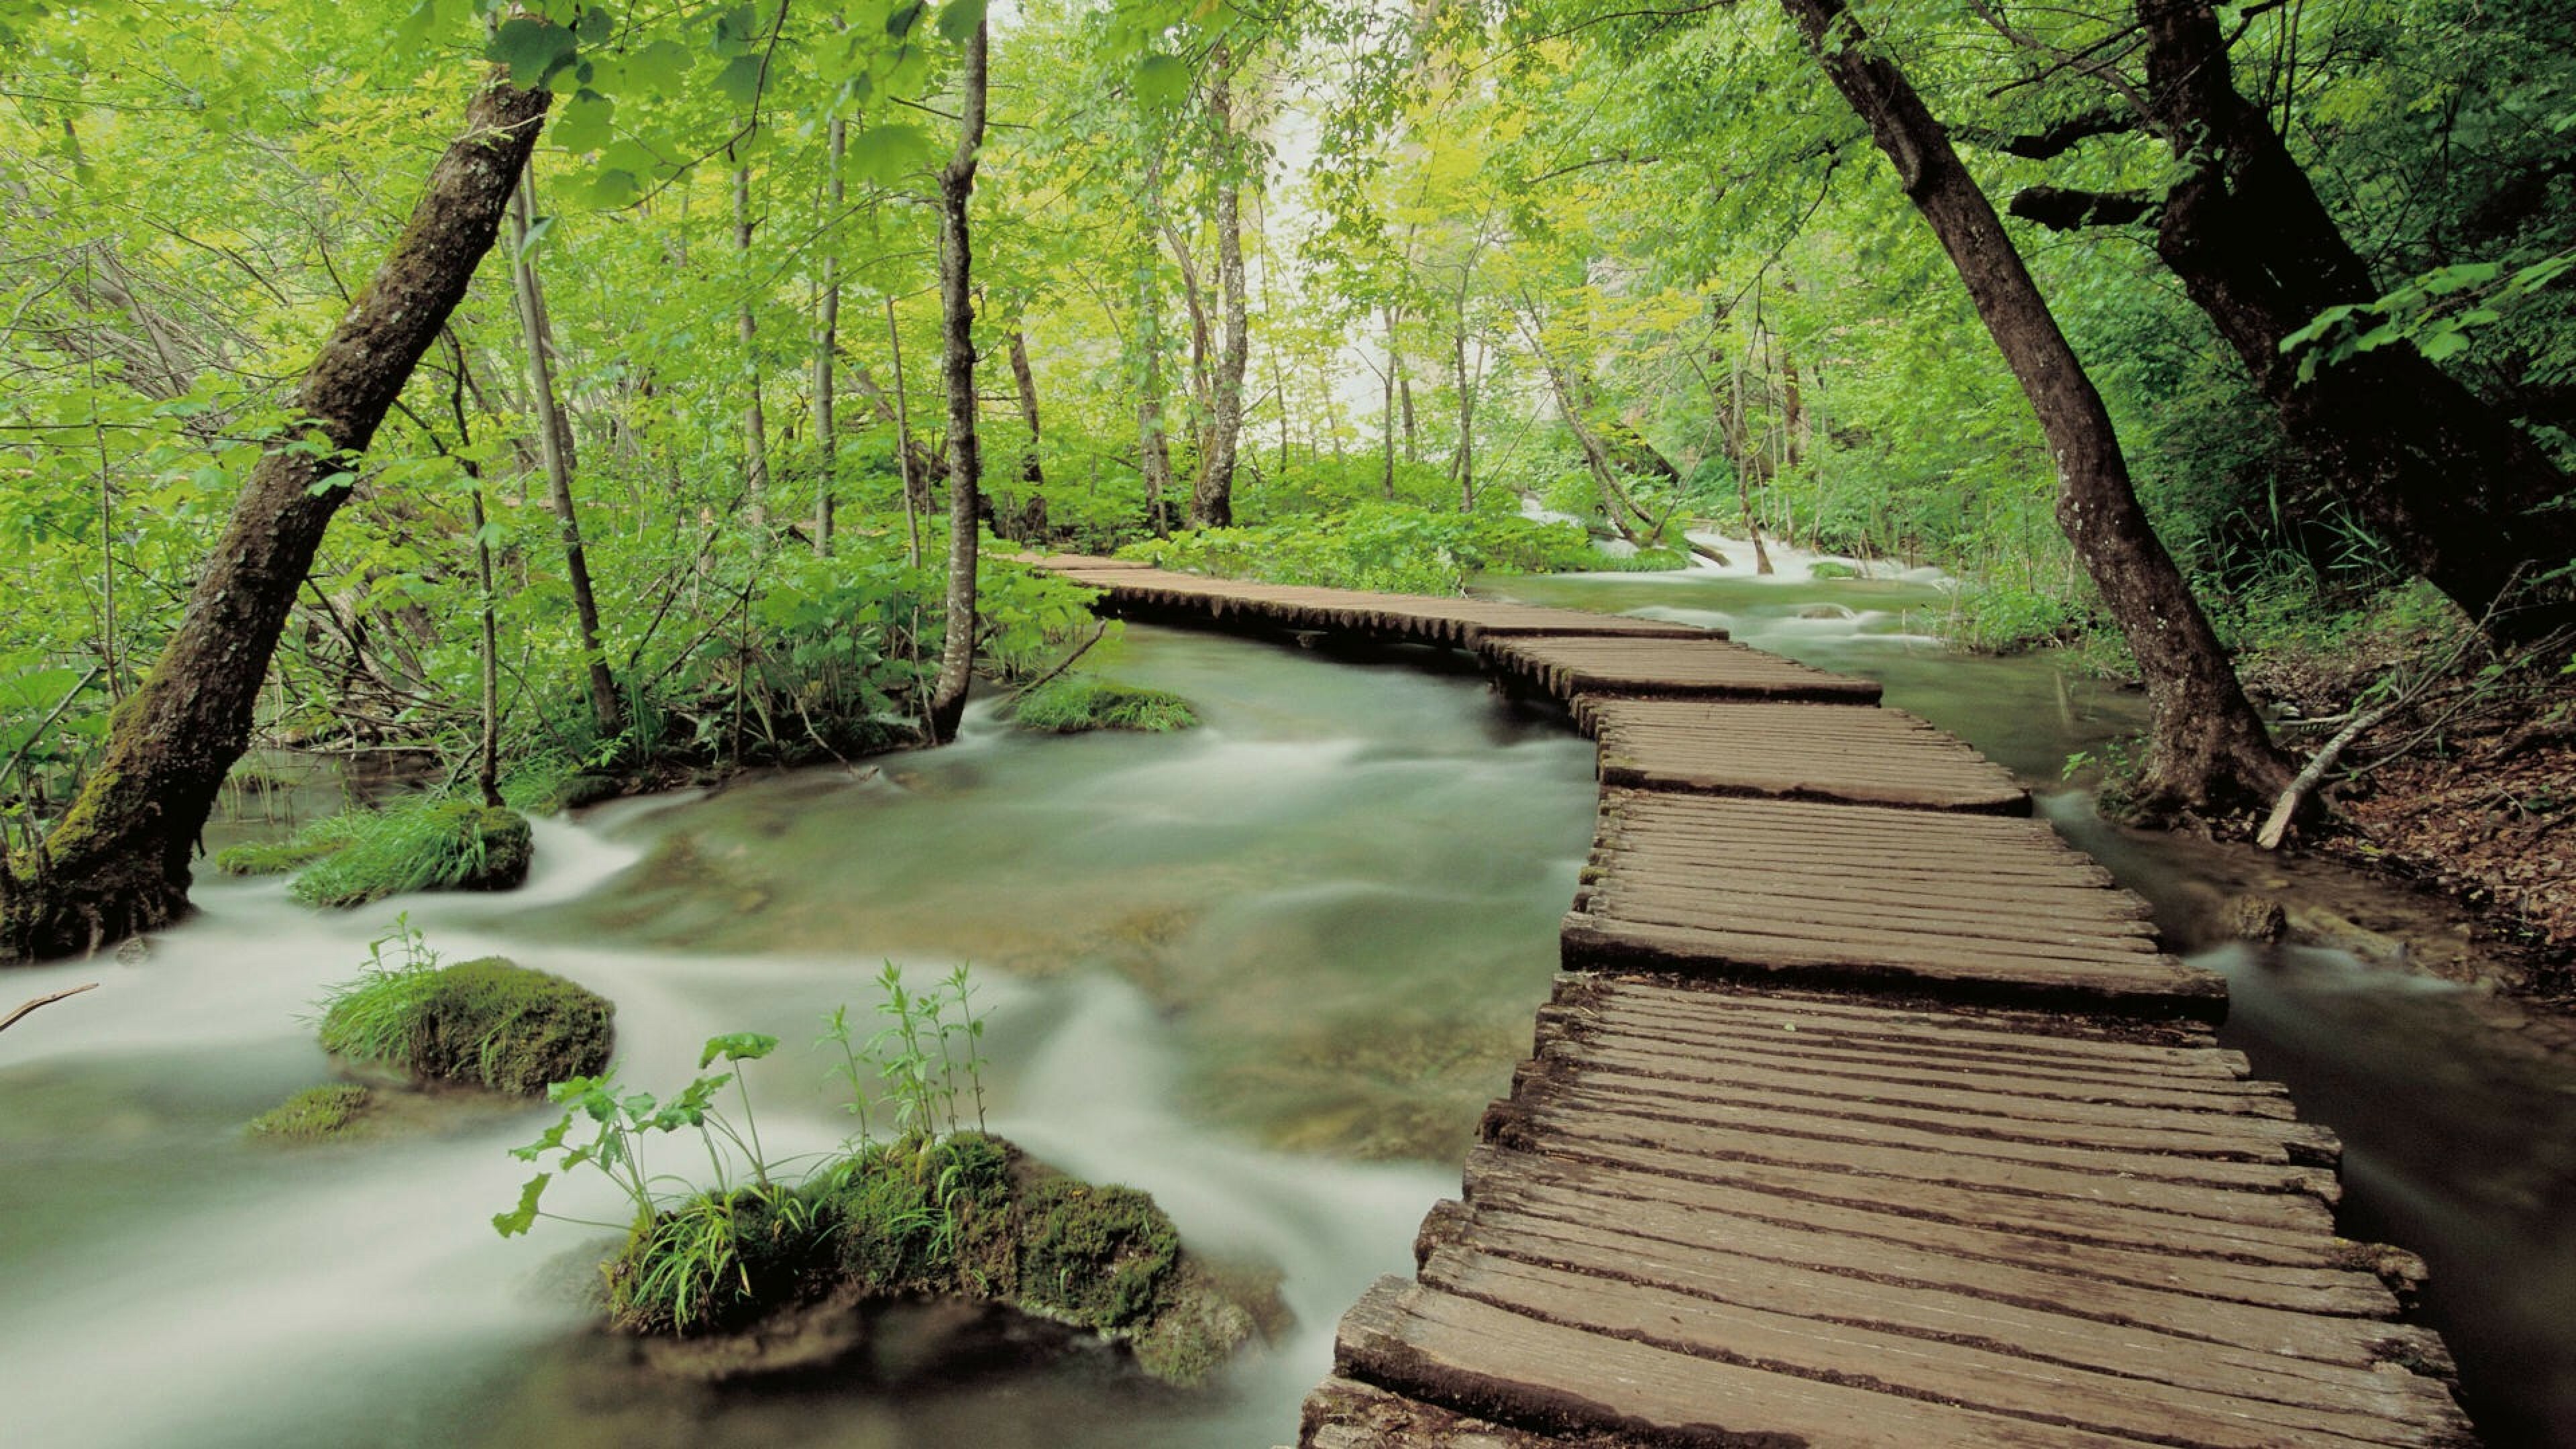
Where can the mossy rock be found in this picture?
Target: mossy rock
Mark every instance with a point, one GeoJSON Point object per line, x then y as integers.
{"type": "Point", "coordinates": [498, 845]}
{"type": "Point", "coordinates": [927, 1219]}
{"type": "Point", "coordinates": [274, 857]}
{"type": "Point", "coordinates": [1075, 703]}
{"type": "Point", "coordinates": [1200, 1329]}
{"type": "Point", "coordinates": [1828, 569]}
{"type": "Point", "coordinates": [489, 1022]}
{"type": "Point", "coordinates": [1093, 1255]}
{"type": "Point", "coordinates": [315, 1114]}
{"type": "Point", "coordinates": [580, 790]}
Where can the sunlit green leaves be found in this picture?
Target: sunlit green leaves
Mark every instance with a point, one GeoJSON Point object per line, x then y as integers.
{"type": "Point", "coordinates": [533, 50]}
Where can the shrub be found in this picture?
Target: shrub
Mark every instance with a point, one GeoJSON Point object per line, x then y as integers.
{"type": "Point", "coordinates": [1073, 703]}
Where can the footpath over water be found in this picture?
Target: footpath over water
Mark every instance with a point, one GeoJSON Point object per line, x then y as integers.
{"type": "Point", "coordinates": [1867, 1113]}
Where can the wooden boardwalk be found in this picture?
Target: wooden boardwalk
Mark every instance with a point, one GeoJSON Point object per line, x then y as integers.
{"type": "Point", "coordinates": [1867, 1113]}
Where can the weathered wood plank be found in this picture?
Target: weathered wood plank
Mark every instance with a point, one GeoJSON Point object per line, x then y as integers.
{"type": "Point", "coordinates": [1505, 1366]}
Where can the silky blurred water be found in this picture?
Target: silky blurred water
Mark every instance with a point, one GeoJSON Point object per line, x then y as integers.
{"type": "Point", "coordinates": [1269, 970]}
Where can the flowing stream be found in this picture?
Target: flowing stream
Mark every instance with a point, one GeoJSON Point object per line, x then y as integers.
{"type": "Point", "coordinates": [1269, 970]}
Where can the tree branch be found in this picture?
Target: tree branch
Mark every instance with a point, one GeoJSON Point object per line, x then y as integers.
{"type": "Point", "coordinates": [2062, 208]}
{"type": "Point", "coordinates": [2051, 142]}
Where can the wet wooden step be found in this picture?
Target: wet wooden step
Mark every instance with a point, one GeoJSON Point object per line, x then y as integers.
{"type": "Point", "coordinates": [1668, 669]}
{"type": "Point", "coordinates": [1793, 752]}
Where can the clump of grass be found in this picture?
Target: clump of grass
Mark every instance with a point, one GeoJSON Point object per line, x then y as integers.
{"type": "Point", "coordinates": [314, 1114]}
{"type": "Point", "coordinates": [488, 1022]}
{"type": "Point", "coordinates": [1073, 703]}
{"type": "Point", "coordinates": [425, 843]}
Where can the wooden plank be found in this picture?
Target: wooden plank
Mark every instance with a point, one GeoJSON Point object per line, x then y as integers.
{"type": "Point", "coordinates": [1520, 1370]}
{"type": "Point", "coordinates": [2299, 1277]}
{"type": "Point", "coordinates": [1998, 1114]}
{"type": "Point", "coordinates": [1712, 1053]}
{"type": "Point", "coordinates": [1971, 1375]}
{"type": "Point", "coordinates": [2195, 1185]}
{"type": "Point", "coordinates": [2022, 1033]}
{"type": "Point", "coordinates": [1668, 667]}
{"type": "Point", "coordinates": [2154, 986]}
{"type": "Point", "coordinates": [1793, 751]}
{"type": "Point", "coordinates": [2332, 1316]}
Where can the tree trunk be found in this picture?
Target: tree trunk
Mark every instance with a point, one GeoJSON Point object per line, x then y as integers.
{"type": "Point", "coordinates": [2450, 482]}
{"type": "Point", "coordinates": [1029, 520]}
{"type": "Point", "coordinates": [827, 339]}
{"type": "Point", "coordinates": [117, 863]}
{"type": "Point", "coordinates": [487, 754]}
{"type": "Point", "coordinates": [1212, 499]}
{"type": "Point", "coordinates": [1463, 468]}
{"type": "Point", "coordinates": [604, 708]}
{"type": "Point", "coordinates": [916, 486]}
{"type": "Point", "coordinates": [2206, 746]}
{"type": "Point", "coordinates": [755, 423]}
{"type": "Point", "coordinates": [957, 364]}
{"type": "Point", "coordinates": [1386, 408]}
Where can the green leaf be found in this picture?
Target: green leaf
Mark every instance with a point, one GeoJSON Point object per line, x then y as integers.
{"type": "Point", "coordinates": [1162, 80]}
{"type": "Point", "coordinates": [741, 79]}
{"type": "Point", "coordinates": [596, 23]}
{"type": "Point", "coordinates": [532, 49]}
{"type": "Point", "coordinates": [888, 154]}
{"type": "Point", "coordinates": [586, 124]}
{"type": "Point", "coordinates": [661, 66]}
{"type": "Point", "coordinates": [519, 1219]}
{"type": "Point", "coordinates": [330, 481]}
{"type": "Point", "coordinates": [960, 19]}
{"type": "Point", "coordinates": [740, 1046]}
{"type": "Point", "coordinates": [900, 21]}
{"type": "Point", "coordinates": [536, 234]}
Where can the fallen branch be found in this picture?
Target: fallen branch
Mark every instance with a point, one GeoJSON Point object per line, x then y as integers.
{"type": "Point", "coordinates": [1024, 690]}
{"type": "Point", "coordinates": [2277, 824]}
{"type": "Point", "coordinates": [11, 1019]}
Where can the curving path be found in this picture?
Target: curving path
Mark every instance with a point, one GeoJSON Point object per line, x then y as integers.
{"type": "Point", "coordinates": [1868, 1113]}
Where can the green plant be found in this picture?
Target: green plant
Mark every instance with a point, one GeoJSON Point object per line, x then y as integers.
{"type": "Point", "coordinates": [1073, 703]}
{"type": "Point", "coordinates": [372, 1018]}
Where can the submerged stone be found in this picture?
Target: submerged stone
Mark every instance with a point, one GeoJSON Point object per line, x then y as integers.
{"type": "Point", "coordinates": [315, 1114]}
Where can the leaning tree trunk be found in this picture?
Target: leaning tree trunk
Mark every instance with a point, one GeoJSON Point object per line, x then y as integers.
{"type": "Point", "coordinates": [2444, 477]}
{"type": "Point", "coordinates": [117, 863]}
{"type": "Point", "coordinates": [553, 429]}
{"type": "Point", "coordinates": [2206, 746]}
{"type": "Point", "coordinates": [1463, 466]}
{"type": "Point", "coordinates": [1212, 500]}
{"type": "Point", "coordinates": [957, 363]}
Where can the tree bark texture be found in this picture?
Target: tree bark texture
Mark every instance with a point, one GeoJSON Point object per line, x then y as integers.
{"type": "Point", "coordinates": [2449, 481]}
{"type": "Point", "coordinates": [552, 429]}
{"type": "Point", "coordinates": [1028, 522]}
{"type": "Point", "coordinates": [957, 365]}
{"type": "Point", "coordinates": [2206, 746]}
{"type": "Point", "coordinates": [117, 862]}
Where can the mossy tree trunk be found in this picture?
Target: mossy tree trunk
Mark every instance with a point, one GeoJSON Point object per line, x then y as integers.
{"type": "Point", "coordinates": [117, 863]}
{"type": "Point", "coordinates": [957, 364]}
{"type": "Point", "coordinates": [2206, 746]}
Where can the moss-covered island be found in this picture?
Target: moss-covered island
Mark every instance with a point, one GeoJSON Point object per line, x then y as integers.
{"type": "Point", "coordinates": [487, 1023]}
{"type": "Point", "coordinates": [1076, 703]}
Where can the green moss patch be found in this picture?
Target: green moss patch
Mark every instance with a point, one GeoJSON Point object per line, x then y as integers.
{"type": "Point", "coordinates": [273, 857]}
{"type": "Point", "coordinates": [315, 1114]}
{"type": "Point", "coordinates": [1074, 703]}
{"type": "Point", "coordinates": [1095, 1256]}
{"type": "Point", "coordinates": [488, 1022]}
